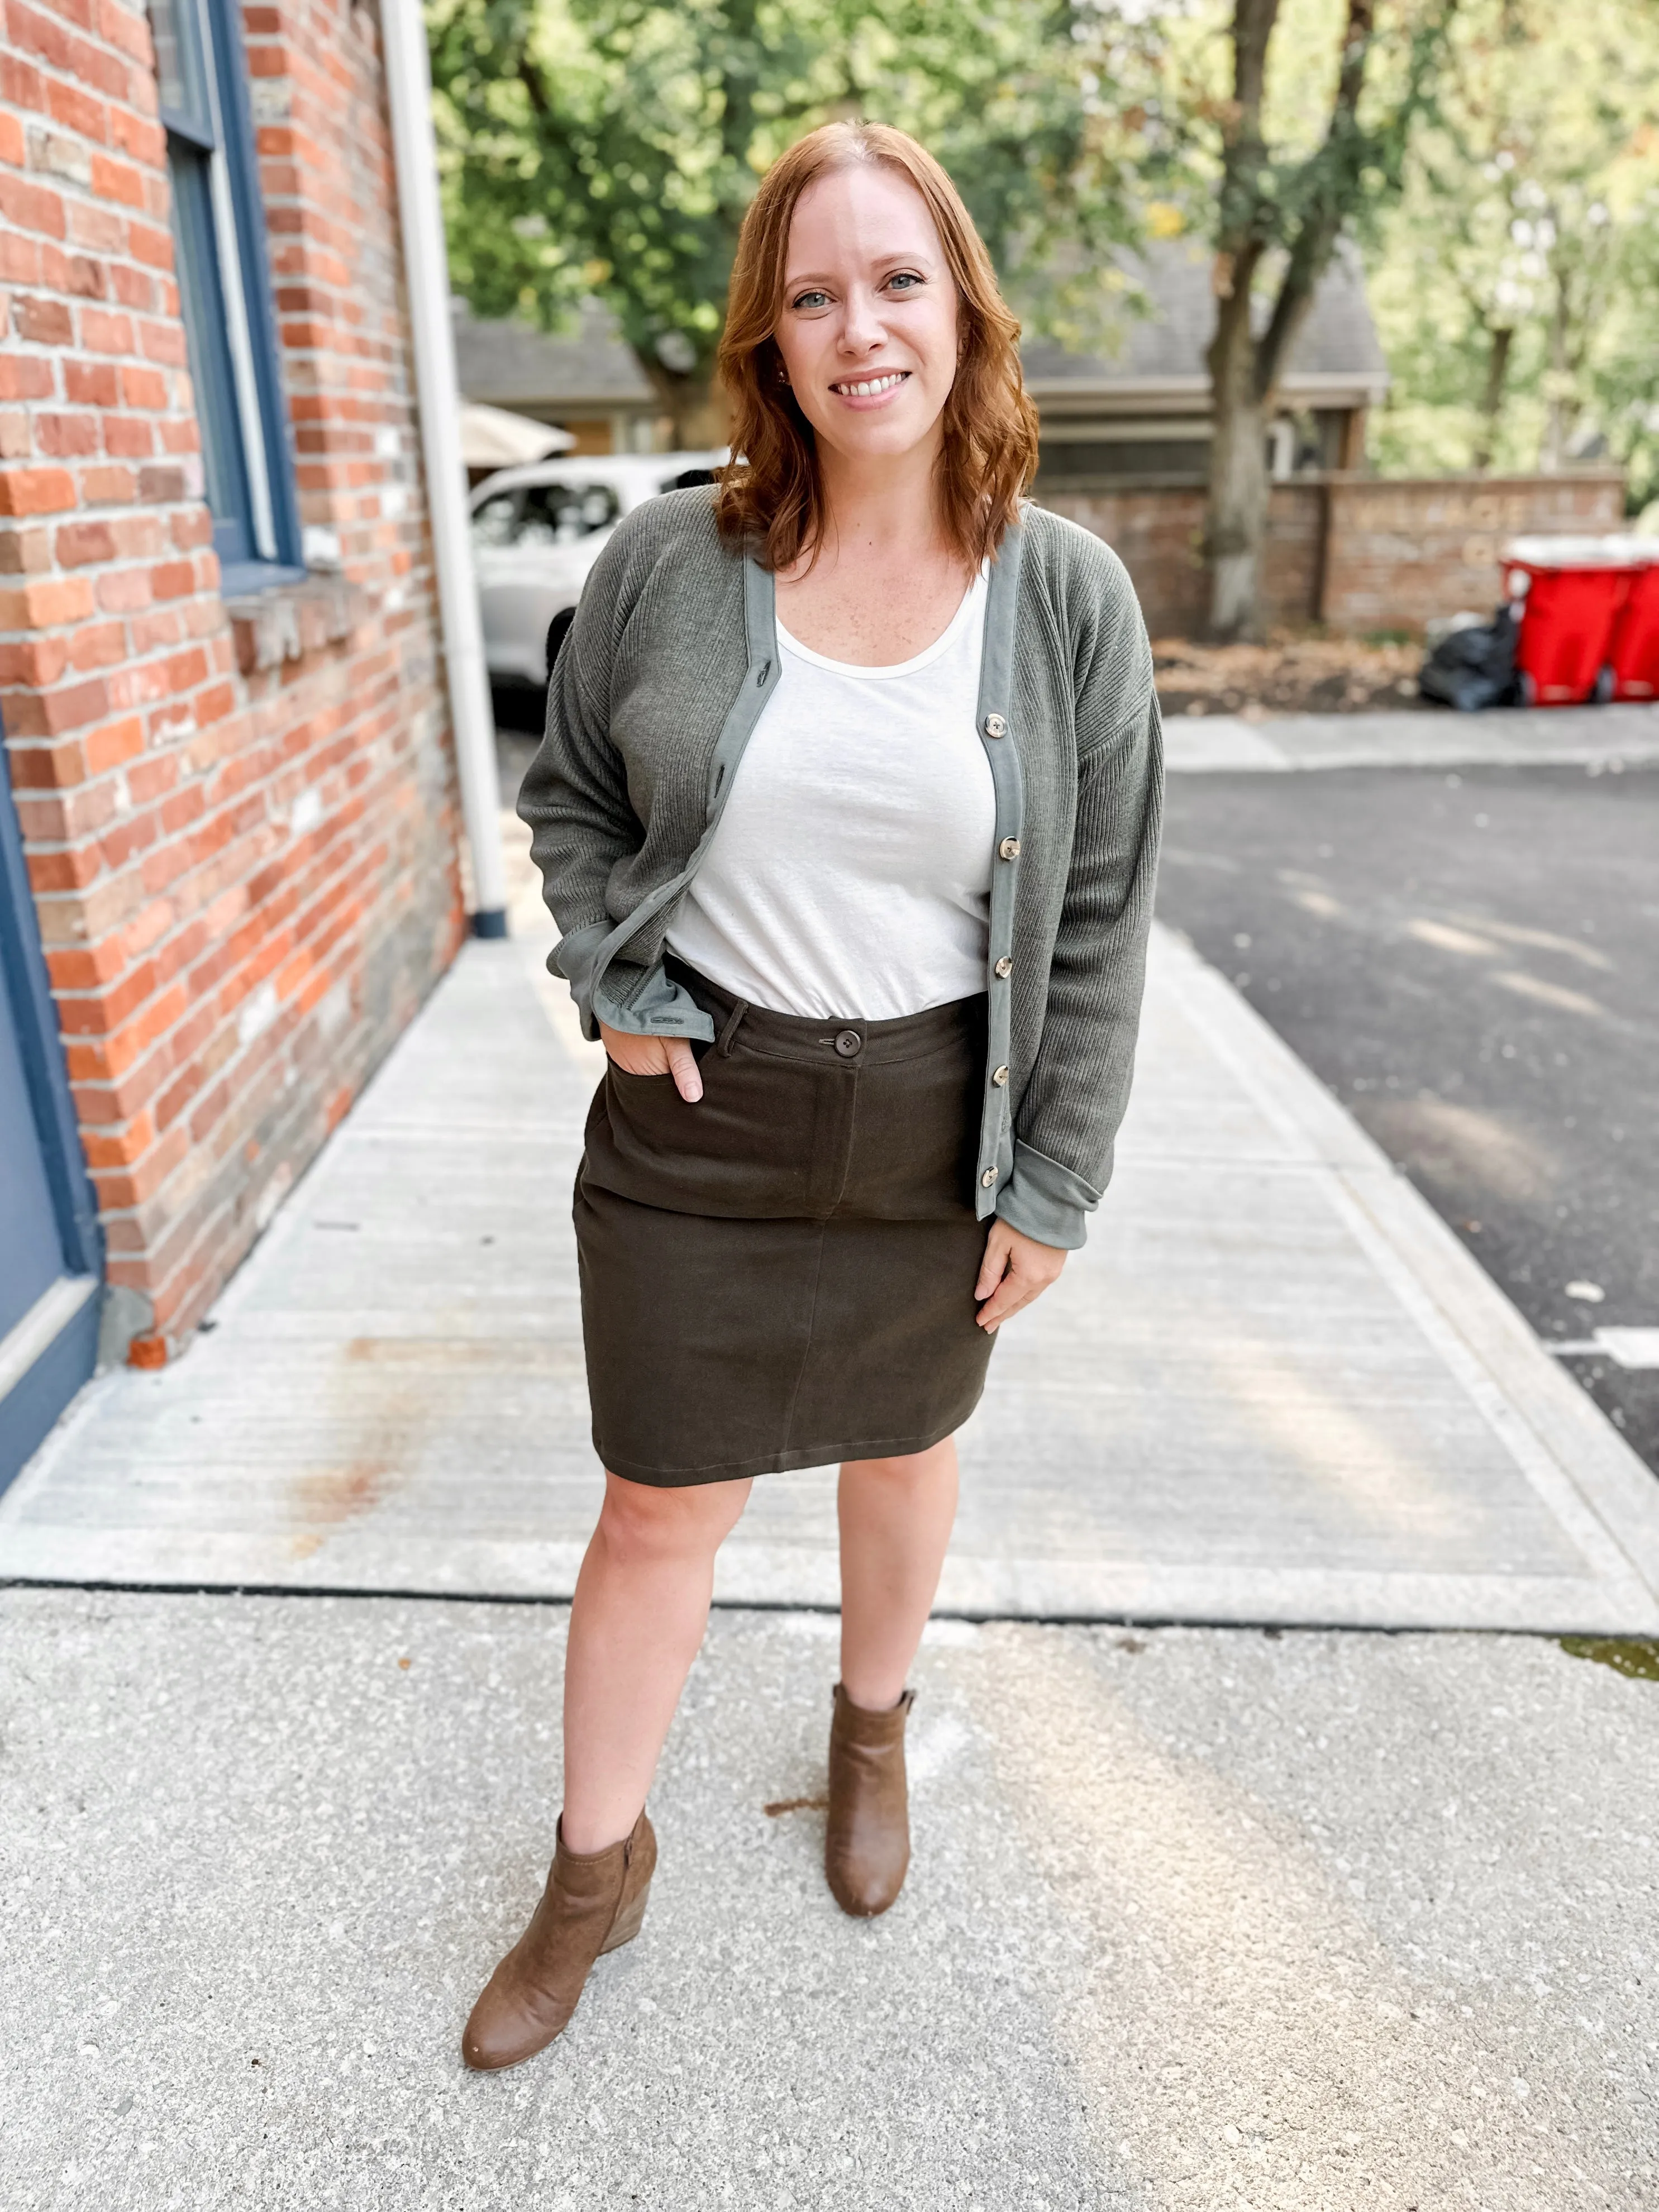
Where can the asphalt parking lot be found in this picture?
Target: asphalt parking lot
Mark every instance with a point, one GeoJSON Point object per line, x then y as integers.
{"type": "Point", "coordinates": [1468, 960]}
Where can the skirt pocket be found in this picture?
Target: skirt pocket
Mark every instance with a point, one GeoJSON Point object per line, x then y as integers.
{"type": "Point", "coordinates": [744, 1150]}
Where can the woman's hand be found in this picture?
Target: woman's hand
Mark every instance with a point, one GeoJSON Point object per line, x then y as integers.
{"type": "Point", "coordinates": [655, 1055]}
{"type": "Point", "coordinates": [1015, 1270]}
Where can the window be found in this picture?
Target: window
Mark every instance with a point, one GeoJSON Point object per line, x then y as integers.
{"type": "Point", "coordinates": [559, 514]}
{"type": "Point", "coordinates": [225, 293]}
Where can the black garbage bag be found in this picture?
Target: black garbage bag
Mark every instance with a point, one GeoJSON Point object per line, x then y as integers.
{"type": "Point", "coordinates": [1474, 668]}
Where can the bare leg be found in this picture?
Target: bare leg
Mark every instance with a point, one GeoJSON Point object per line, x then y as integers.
{"type": "Point", "coordinates": [895, 1517]}
{"type": "Point", "coordinates": [640, 1608]}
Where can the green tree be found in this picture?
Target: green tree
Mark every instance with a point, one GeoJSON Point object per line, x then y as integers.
{"type": "Point", "coordinates": [611, 147]}
{"type": "Point", "coordinates": [1518, 286]}
{"type": "Point", "coordinates": [1279, 128]}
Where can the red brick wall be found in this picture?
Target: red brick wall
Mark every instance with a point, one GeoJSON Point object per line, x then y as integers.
{"type": "Point", "coordinates": [1361, 553]}
{"type": "Point", "coordinates": [1404, 549]}
{"type": "Point", "coordinates": [1158, 531]}
{"type": "Point", "coordinates": [239, 821]}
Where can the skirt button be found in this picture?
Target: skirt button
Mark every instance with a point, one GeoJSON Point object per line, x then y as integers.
{"type": "Point", "coordinates": [848, 1042]}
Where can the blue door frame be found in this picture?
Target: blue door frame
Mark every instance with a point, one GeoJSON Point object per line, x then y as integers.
{"type": "Point", "coordinates": [52, 1260]}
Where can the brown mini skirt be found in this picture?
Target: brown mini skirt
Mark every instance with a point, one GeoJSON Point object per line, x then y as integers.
{"type": "Point", "coordinates": [782, 1275]}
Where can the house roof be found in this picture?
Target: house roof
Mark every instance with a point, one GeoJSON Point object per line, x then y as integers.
{"type": "Point", "coordinates": [1157, 369]}
{"type": "Point", "coordinates": [1336, 360]}
{"type": "Point", "coordinates": [504, 362]}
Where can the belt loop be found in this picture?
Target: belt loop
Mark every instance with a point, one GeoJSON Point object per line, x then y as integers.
{"type": "Point", "coordinates": [723, 1044]}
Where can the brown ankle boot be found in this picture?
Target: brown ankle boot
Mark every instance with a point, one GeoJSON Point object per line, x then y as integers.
{"type": "Point", "coordinates": [866, 1846]}
{"type": "Point", "coordinates": [594, 1902]}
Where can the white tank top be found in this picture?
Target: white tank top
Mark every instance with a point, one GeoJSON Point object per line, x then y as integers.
{"type": "Point", "coordinates": [850, 869]}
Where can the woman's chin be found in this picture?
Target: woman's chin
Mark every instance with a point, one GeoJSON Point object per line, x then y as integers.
{"type": "Point", "coordinates": [868, 436]}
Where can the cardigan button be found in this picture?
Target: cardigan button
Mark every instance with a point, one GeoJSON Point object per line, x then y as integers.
{"type": "Point", "coordinates": [995, 727]}
{"type": "Point", "coordinates": [1005, 968]}
{"type": "Point", "coordinates": [999, 1076]}
{"type": "Point", "coordinates": [1009, 848]}
{"type": "Point", "coordinates": [987, 1178]}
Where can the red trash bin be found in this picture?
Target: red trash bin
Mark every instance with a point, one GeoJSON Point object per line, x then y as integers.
{"type": "Point", "coordinates": [1634, 653]}
{"type": "Point", "coordinates": [1573, 589]}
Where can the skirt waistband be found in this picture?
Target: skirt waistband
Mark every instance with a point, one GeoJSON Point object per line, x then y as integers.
{"type": "Point", "coordinates": [841, 1038]}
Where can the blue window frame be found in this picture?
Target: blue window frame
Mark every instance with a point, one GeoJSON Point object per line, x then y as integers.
{"type": "Point", "coordinates": [224, 287]}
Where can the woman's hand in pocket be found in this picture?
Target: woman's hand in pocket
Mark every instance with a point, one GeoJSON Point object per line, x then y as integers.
{"type": "Point", "coordinates": [655, 1055]}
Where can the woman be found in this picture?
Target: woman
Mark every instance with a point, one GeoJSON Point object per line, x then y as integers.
{"type": "Point", "coordinates": [847, 808]}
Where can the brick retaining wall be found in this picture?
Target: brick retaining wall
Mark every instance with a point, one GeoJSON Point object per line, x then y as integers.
{"type": "Point", "coordinates": [1361, 553]}
{"type": "Point", "coordinates": [239, 817]}
{"type": "Point", "coordinates": [1403, 549]}
{"type": "Point", "coordinates": [1158, 531]}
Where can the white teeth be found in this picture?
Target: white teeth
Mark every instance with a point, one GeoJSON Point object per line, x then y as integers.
{"type": "Point", "coordinates": [871, 385]}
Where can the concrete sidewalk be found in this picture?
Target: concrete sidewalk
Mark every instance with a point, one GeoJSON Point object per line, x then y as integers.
{"type": "Point", "coordinates": [1509, 737]}
{"type": "Point", "coordinates": [1273, 1386]}
{"type": "Point", "coordinates": [1197, 1919]}
{"type": "Point", "coordinates": [1200, 1916]}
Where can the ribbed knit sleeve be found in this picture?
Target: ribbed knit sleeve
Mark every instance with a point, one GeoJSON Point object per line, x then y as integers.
{"type": "Point", "coordinates": [574, 795]}
{"type": "Point", "coordinates": [1068, 1118]}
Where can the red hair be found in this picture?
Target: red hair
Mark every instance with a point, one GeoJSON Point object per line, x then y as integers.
{"type": "Point", "coordinates": [772, 497]}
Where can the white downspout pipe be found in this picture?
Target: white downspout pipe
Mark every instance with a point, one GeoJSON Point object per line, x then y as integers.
{"type": "Point", "coordinates": [426, 268]}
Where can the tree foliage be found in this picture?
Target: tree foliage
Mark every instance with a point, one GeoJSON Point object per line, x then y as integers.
{"type": "Point", "coordinates": [611, 147]}
{"type": "Point", "coordinates": [1275, 129]}
{"type": "Point", "coordinates": [1518, 286]}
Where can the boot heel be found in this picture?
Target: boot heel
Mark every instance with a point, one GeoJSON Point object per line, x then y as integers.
{"type": "Point", "coordinates": [626, 1926]}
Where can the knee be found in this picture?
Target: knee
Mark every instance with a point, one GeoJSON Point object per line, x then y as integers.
{"type": "Point", "coordinates": [899, 1478]}
{"type": "Point", "coordinates": [640, 1526]}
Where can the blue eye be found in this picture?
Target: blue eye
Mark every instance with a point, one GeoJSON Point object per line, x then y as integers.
{"type": "Point", "coordinates": [906, 276]}
{"type": "Point", "coordinates": [809, 300]}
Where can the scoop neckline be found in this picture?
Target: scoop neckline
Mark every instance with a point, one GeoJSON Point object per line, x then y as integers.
{"type": "Point", "coordinates": [971, 598]}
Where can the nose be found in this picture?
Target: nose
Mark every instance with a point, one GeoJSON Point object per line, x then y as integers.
{"type": "Point", "coordinates": [861, 329]}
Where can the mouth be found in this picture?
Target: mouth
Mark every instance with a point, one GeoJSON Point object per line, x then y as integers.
{"type": "Point", "coordinates": [870, 388]}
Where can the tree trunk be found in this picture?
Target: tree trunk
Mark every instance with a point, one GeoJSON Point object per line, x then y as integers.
{"type": "Point", "coordinates": [695, 410]}
{"type": "Point", "coordinates": [1491, 399]}
{"type": "Point", "coordinates": [1236, 523]}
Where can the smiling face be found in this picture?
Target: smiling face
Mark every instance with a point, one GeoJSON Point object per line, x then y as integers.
{"type": "Point", "coordinates": [868, 325]}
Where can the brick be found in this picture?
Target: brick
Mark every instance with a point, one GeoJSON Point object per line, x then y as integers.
{"type": "Point", "coordinates": [91, 383]}
{"type": "Point", "coordinates": [78, 542]}
{"type": "Point", "coordinates": [151, 245]}
{"type": "Point", "coordinates": [37, 662]}
{"type": "Point", "coordinates": [25, 551]}
{"type": "Point", "coordinates": [20, 261]}
{"type": "Point", "coordinates": [162, 484]}
{"type": "Point", "coordinates": [13, 150]}
{"type": "Point", "coordinates": [45, 602]}
{"type": "Point", "coordinates": [118, 181]}
{"type": "Point", "coordinates": [75, 705]}
{"type": "Point", "coordinates": [31, 206]}
{"type": "Point", "coordinates": [104, 332]}
{"type": "Point", "coordinates": [163, 342]}
{"type": "Point", "coordinates": [130, 440]}
{"type": "Point", "coordinates": [134, 287]}
{"type": "Point", "coordinates": [127, 29]}
{"type": "Point", "coordinates": [43, 322]}
{"type": "Point", "coordinates": [141, 135]}
{"type": "Point", "coordinates": [25, 376]}
{"type": "Point", "coordinates": [110, 486]}
{"type": "Point", "coordinates": [77, 110]}
{"type": "Point", "coordinates": [65, 435]}
{"type": "Point", "coordinates": [35, 491]}
{"type": "Point", "coordinates": [87, 278]}
{"type": "Point", "coordinates": [141, 387]}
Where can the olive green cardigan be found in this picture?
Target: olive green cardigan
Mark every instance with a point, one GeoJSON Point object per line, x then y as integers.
{"type": "Point", "coordinates": [659, 681]}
